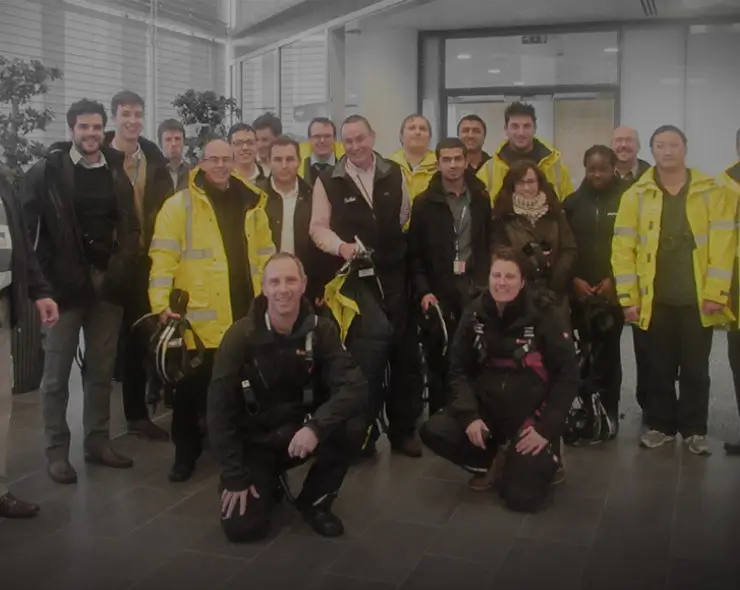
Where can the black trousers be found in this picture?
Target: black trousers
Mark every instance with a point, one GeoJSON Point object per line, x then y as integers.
{"type": "Point", "coordinates": [679, 346]}
{"type": "Point", "coordinates": [641, 343]}
{"type": "Point", "coordinates": [605, 370]}
{"type": "Point", "coordinates": [189, 408]}
{"type": "Point", "coordinates": [332, 459]}
{"type": "Point", "coordinates": [733, 353]}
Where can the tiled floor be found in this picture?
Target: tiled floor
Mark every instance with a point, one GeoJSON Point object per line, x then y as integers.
{"type": "Point", "coordinates": [625, 519]}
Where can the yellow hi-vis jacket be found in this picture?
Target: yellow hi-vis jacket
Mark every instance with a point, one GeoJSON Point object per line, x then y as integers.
{"type": "Point", "coordinates": [417, 179]}
{"type": "Point", "coordinates": [730, 179]}
{"type": "Point", "coordinates": [188, 253]}
{"type": "Point", "coordinates": [492, 173]}
{"type": "Point", "coordinates": [637, 235]}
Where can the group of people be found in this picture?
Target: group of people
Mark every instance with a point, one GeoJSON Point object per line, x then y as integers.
{"type": "Point", "coordinates": [239, 254]}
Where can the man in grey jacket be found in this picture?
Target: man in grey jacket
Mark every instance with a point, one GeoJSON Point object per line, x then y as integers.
{"type": "Point", "coordinates": [21, 280]}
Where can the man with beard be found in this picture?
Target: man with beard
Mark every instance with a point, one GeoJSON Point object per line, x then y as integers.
{"type": "Point", "coordinates": [472, 131]}
{"type": "Point", "coordinates": [148, 171]}
{"type": "Point", "coordinates": [79, 207]}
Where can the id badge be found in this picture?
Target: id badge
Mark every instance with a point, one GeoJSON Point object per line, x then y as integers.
{"type": "Point", "coordinates": [458, 267]}
{"type": "Point", "coordinates": [366, 272]}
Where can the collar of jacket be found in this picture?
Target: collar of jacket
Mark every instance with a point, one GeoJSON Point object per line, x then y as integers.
{"type": "Point", "coordinates": [383, 167]}
{"type": "Point", "coordinates": [616, 187]}
{"type": "Point", "coordinates": [305, 150]}
{"type": "Point", "coordinates": [253, 196]}
{"type": "Point", "coordinates": [552, 157]}
{"type": "Point", "coordinates": [524, 310]}
{"type": "Point", "coordinates": [257, 188]}
{"type": "Point", "coordinates": [61, 148]}
{"type": "Point", "coordinates": [152, 153]}
{"type": "Point", "coordinates": [437, 192]}
{"type": "Point", "coordinates": [306, 321]}
{"type": "Point", "coordinates": [427, 164]}
{"type": "Point", "coordinates": [304, 189]}
{"type": "Point", "coordinates": [733, 173]}
{"type": "Point", "coordinates": [700, 182]}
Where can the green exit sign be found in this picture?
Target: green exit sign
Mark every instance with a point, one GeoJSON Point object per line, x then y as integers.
{"type": "Point", "coordinates": [534, 39]}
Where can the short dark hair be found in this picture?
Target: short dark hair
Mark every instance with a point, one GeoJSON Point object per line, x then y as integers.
{"type": "Point", "coordinates": [413, 116]}
{"type": "Point", "coordinates": [85, 107]}
{"type": "Point", "coordinates": [322, 121]}
{"type": "Point", "coordinates": [600, 150]}
{"type": "Point", "coordinates": [519, 109]}
{"type": "Point", "coordinates": [358, 119]}
{"type": "Point", "coordinates": [269, 121]}
{"type": "Point", "coordinates": [474, 118]}
{"type": "Point", "coordinates": [237, 127]}
{"type": "Point", "coordinates": [451, 143]}
{"type": "Point", "coordinates": [169, 125]}
{"type": "Point", "coordinates": [125, 97]}
{"type": "Point", "coordinates": [668, 129]}
{"type": "Point", "coordinates": [516, 256]}
{"type": "Point", "coordinates": [283, 140]}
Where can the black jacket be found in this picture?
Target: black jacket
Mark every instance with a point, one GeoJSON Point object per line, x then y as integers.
{"type": "Point", "coordinates": [28, 280]}
{"type": "Point", "coordinates": [591, 215]}
{"type": "Point", "coordinates": [278, 384]}
{"type": "Point", "coordinates": [48, 204]}
{"type": "Point", "coordinates": [305, 248]}
{"type": "Point", "coordinates": [432, 241]}
{"type": "Point", "coordinates": [485, 156]}
{"type": "Point", "coordinates": [510, 396]}
{"type": "Point", "coordinates": [642, 167]}
{"type": "Point", "coordinates": [158, 184]}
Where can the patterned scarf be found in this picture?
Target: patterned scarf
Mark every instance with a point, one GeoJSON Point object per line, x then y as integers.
{"type": "Point", "coordinates": [532, 209]}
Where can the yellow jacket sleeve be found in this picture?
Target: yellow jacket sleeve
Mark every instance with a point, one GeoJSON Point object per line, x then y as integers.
{"type": "Point", "coordinates": [260, 245]}
{"type": "Point", "coordinates": [722, 245]}
{"type": "Point", "coordinates": [165, 249]}
{"type": "Point", "coordinates": [624, 250]}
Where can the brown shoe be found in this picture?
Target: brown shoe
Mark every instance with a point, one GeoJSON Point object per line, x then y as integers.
{"type": "Point", "coordinates": [486, 481]}
{"type": "Point", "coordinates": [410, 446]}
{"type": "Point", "coordinates": [61, 471]}
{"type": "Point", "coordinates": [109, 458]}
{"type": "Point", "coordinates": [12, 507]}
{"type": "Point", "coordinates": [148, 430]}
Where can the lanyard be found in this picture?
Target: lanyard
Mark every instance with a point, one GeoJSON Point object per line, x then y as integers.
{"type": "Point", "coordinates": [458, 231]}
{"type": "Point", "coordinates": [363, 189]}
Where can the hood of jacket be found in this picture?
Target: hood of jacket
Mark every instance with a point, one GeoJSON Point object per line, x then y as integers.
{"type": "Point", "coordinates": [151, 151]}
{"type": "Point", "coordinates": [543, 152]}
{"type": "Point", "coordinates": [256, 322]}
{"type": "Point", "coordinates": [253, 196]}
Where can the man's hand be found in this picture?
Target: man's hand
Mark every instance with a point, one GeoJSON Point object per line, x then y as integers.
{"type": "Point", "coordinates": [711, 307]}
{"type": "Point", "coordinates": [427, 301]}
{"type": "Point", "coordinates": [167, 314]}
{"type": "Point", "coordinates": [477, 433]}
{"type": "Point", "coordinates": [318, 302]}
{"type": "Point", "coordinates": [229, 500]}
{"type": "Point", "coordinates": [531, 443]}
{"type": "Point", "coordinates": [606, 288]}
{"type": "Point", "coordinates": [347, 251]}
{"type": "Point", "coordinates": [48, 311]}
{"type": "Point", "coordinates": [303, 443]}
{"type": "Point", "coordinates": [582, 289]}
{"type": "Point", "coordinates": [632, 314]}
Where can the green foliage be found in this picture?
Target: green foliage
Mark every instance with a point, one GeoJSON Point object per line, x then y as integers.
{"type": "Point", "coordinates": [20, 82]}
{"type": "Point", "coordinates": [205, 115]}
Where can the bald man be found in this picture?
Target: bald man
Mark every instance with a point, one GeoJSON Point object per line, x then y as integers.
{"type": "Point", "coordinates": [211, 240]}
{"type": "Point", "coordinates": [626, 144]}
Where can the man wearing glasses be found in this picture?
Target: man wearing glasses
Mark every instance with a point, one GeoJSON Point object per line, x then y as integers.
{"type": "Point", "coordinates": [321, 152]}
{"type": "Point", "coordinates": [243, 139]}
{"type": "Point", "coordinates": [211, 241]}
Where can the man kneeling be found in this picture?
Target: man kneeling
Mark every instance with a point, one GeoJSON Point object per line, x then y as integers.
{"type": "Point", "coordinates": [514, 375]}
{"type": "Point", "coordinates": [283, 390]}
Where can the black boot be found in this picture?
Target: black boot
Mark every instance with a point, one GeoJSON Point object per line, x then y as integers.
{"type": "Point", "coordinates": [181, 471]}
{"type": "Point", "coordinates": [321, 518]}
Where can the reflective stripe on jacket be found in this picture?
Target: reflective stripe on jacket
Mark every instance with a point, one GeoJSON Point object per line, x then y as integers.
{"type": "Point", "coordinates": [492, 173]}
{"type": "Point", "coordinates": [730, 179]}
{"type": "Point", "coordinates": [637, 235]}
{"type": "Point", "coordinates": [188, 253]}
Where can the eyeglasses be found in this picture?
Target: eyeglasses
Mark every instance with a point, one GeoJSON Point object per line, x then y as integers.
{"type": "Point", "coordinates": [243, 143]}
{"type": "Point", "coordinates": [326, 137]}
{"type": "Point", "coordinates": [215, 161]}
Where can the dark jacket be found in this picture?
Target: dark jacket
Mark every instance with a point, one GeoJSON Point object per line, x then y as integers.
{"type": "Point", "coordinates": [28, 280]}
{"type": "Point", "coordinates": [508, 397]}
{"type": "Point", "coordinates": [516, 231]}
{"type": "Point", "coordinates": [278, 384]}
{"type": "Point", "coordinates": [642, 167]}
{"type": "Point", "coordinates": [158, 184]}
{"type": "Point", "coordinates": [591, 215]}
{"type": "Point", "coordinates": [485, 156]}
{"type": "Point", "coordinates": [432, 241]}
{"type": "Point", "coordinates": [305, 249]}
{"type": "Point", "coordinates": [48, 204]}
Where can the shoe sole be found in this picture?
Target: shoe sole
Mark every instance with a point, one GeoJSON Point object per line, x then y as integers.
{"type": "Point", "coordinates": [657, 446]}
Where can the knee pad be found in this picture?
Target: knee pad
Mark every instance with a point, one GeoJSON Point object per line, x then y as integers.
{"type": "Point", "coordinates": [526, 480]}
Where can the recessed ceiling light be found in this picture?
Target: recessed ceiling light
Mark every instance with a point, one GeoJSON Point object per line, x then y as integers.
{"type": "Point", "coordinates": [494, 71]}
{"type": "Point", "coordinates": [611, 50]}
{"type": "Point", "coordinates": [519, 83]}
{"type": "Point", "coordinates": [463, 56]}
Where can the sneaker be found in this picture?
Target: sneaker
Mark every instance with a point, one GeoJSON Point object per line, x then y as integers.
{"type": "Point", "coordinates": [698, 445]}
{"type": "Point", "coordinates": [653, 439]}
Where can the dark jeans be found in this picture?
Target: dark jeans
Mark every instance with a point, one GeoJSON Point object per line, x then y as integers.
{"type": "Point", "coordinates": [733, 353]}
{"type": "Point", "coordinates": [446, 437]}
{"type": "Point", "coordinates": [641, 344]}
{"type": "Point", "coordinates": [332, 459]}
{"type": "Point", "coordinates": [188, 408]}
{"type": "Point", "coordinates": [679, 345]}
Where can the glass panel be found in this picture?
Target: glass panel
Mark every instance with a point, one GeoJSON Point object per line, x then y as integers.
{"type": "Point", "coordinates": [430, 58]}
{"type": "Point", "coordinates": [352, 71]}
{"type": "Point", "coordinates": [303, 74]}
{"type": "Point", "coordinates": [555, 60]}
{"type": "Point", "coordinates": [259, 86]}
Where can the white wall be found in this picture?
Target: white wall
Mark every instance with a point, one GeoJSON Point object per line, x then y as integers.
{"type": "Point", "coordinates": [388, 64]}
